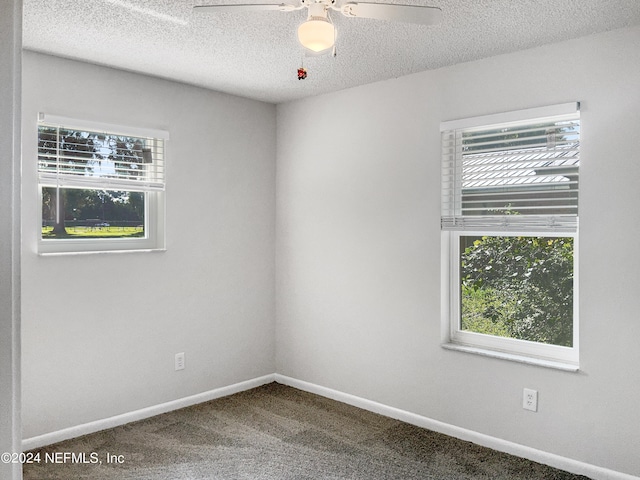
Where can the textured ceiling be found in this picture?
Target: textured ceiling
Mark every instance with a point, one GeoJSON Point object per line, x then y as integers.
{"type": "Point", "coordinates": [256, 54]}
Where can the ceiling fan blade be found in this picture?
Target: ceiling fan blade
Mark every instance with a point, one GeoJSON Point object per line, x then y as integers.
{"type": "Point", "coordinates": [399, 13]}
{"type": "Point", "coordinates": [247, 7]}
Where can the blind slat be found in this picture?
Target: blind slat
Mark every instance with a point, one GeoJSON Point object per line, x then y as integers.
{"type": "Point", "coordinates": [48, 180]}
{"type": "Point", "coordinates": [554, 223]}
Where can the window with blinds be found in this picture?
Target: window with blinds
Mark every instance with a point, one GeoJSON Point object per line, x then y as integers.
{"type": "Point", "coordinates": [521, 174]}
{"type": "Point", "coordinates": [83, 158]}
{"type": "Point", "coordinates": [101, 186]}
{"type": "Point", "coordinates": [510, 185]}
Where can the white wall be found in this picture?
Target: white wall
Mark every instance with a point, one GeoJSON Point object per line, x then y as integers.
{"type": "Point", "coordinates": [358, 249]}
{"type": "Point", "coordinates": [100, 331]}
{"type": "Point", "coordinates": [10, 71]}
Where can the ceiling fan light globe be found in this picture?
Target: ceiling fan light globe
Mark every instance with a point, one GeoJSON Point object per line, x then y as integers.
{"type": "Point", "coordinates": [317, 34]}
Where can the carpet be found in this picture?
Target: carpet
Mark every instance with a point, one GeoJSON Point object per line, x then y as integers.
{"type": "Point", "coordinates": [276, 432]}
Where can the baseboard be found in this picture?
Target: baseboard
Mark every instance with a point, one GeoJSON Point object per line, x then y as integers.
{"type": "Point", "coordinates": [106, 423]}
{"type": "Point", "coordinates": [546, 458]}
{"type": "Point", "coordinates": [553, 460]}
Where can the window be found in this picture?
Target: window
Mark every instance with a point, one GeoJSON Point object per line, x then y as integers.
{"type": "Point", "coordinates": [510, 235]}
{"type": "Point", "coordinates": [101, 186]}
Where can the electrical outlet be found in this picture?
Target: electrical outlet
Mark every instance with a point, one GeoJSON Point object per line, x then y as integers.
{"type": "Point", "coordinates": [530, 399]}
{"type": "Point", "coordinates": [179, 361]}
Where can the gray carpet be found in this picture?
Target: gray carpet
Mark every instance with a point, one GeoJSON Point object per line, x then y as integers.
{"type": "Point", "coordinates": [278, 432]}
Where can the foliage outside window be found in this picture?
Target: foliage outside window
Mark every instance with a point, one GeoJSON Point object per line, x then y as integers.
{"type": "Point", "coordinates": [518, 287]}
{"type": "Point", "coordinates": [101, 188]}
{"type": "Point", "coordinates": [509, 220]}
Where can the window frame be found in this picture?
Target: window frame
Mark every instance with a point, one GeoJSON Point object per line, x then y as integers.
{"type": "Point", "coordinates": [490, 345]}
{"type": "Point", "coordinates": [154, 215]}
{"type": "Point", "coordinates": [452, 336]}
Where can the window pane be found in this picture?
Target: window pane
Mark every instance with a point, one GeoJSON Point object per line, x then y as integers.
{"type": "Point", "coordinates": [79, 213]}
{"type": "Point", "coordinates": [518, 287]}
{"type": "Point", "coordinates": [527, 169]}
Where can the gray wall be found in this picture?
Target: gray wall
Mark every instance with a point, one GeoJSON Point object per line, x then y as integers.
{"type": "Point", "coordinates": [100, 331]}
{"type": "Point", "coordinates": [10, 70]}
{"type": "Point", "coordinates": [359, 259]}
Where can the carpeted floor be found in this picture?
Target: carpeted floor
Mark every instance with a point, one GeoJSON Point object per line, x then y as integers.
{"type": "Point", "coordinates": [276, 432]}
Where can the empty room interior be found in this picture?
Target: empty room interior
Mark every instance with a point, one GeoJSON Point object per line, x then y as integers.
{"type": "Point", "coordinates": [296, 227]}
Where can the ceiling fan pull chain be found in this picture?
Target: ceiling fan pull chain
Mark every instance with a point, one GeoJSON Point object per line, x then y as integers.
{"type": "Point", "coordinates": [335, 34]}
{"type": "Point", "coordinates": [302, 72]}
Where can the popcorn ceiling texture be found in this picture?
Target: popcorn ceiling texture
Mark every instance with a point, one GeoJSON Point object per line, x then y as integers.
{"type": "Point", "coordinates": [256, 54]}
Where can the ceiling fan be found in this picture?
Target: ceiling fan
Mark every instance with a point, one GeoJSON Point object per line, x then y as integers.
{"type": "Point", "coordinates": [318, 33]}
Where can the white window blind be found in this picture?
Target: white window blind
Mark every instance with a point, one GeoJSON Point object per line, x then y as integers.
{"type": "Point", "coordinates": [78, 154]}
{"type": "Point", "coordinates": [520, 174]}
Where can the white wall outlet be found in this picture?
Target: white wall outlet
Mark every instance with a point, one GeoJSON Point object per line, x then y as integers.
{"type": "Point", "coordinates": [530, 399]}
{"type": "Point", "coordinates": [179, 361]}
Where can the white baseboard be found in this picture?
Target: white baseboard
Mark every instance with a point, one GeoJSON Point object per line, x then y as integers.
{"type": "Point", "coordinates": [553, 460]}
{"type": "Point", "coordinates": [98, 425]}
{"type": "Point", "coordinates": [546, 458]}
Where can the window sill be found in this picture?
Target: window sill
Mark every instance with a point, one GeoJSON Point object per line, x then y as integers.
{"type": "Point", "coordinates": [100, 252]}
{"type": "Point", "coordinates": [539, 362]}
